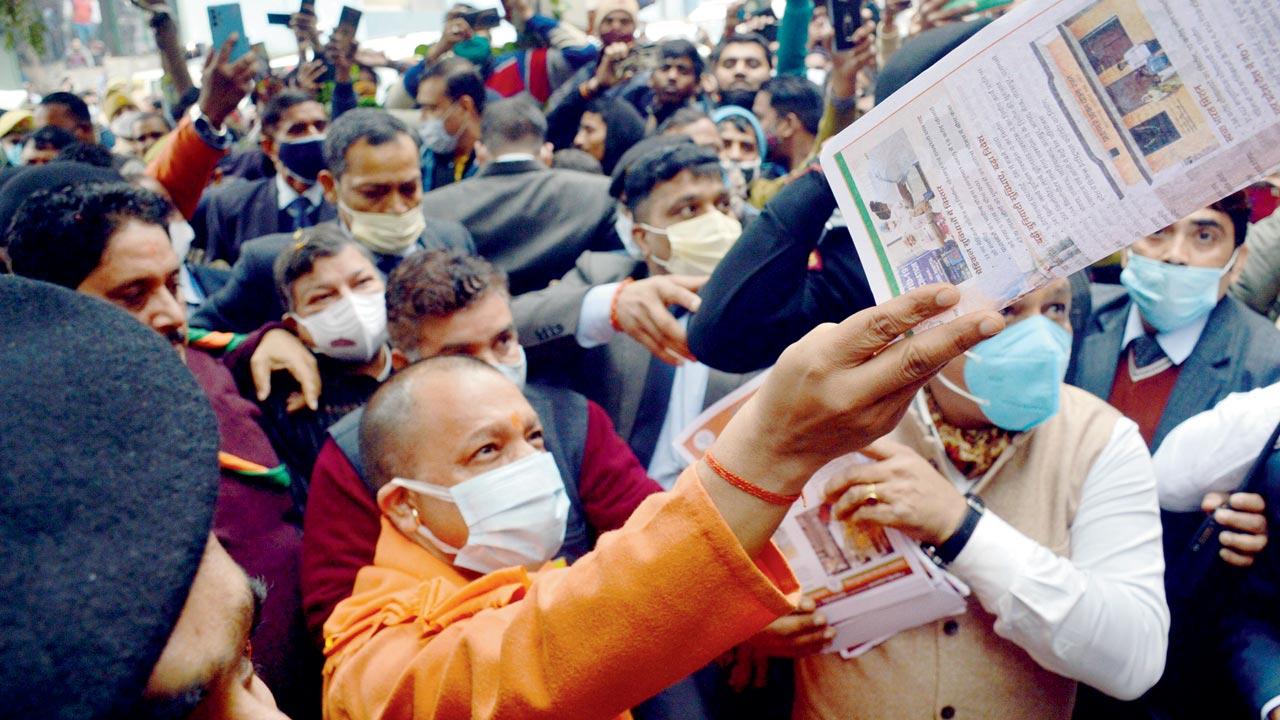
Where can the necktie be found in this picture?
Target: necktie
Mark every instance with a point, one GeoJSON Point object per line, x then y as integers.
{"type": "Point", "coordinates": [1146, 359]}
{"type": "Point", "coordinates": [653, 410]}
{"type": "Point", "coordinates": [299, 212]}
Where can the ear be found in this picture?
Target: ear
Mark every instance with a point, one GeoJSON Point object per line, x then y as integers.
{"type": "Point", "coordinates": [399, 360]}
{"type": "Point", "coordinates": [546, 154]}
{"type": "Point", "coordinates": [1242, 257]}
{"type": "Point", "coordinates": [268, 145]}
{"type": "Point", "coordinates": [393, 501]}
{"type": "Point", "coordinates": [468, 104]}
{"type": "Point", "coordinates": [330, 185]}
{"type": "Point", "coordinates": [641, 238]}
{"type": "Point", "coordinates": [788, 126]}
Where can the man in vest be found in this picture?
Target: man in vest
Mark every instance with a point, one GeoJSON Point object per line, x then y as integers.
{"type": "Point", "coordinates": [1039, 496]}
{"type": "Point", "coordinates": [442, 303]}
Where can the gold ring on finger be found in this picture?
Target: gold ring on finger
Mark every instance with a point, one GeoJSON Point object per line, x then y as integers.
{"type": "Point", "coordinates": [872, 497]}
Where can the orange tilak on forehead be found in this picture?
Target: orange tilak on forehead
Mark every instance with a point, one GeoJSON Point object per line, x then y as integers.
{"type": "Point", "coordinates": [515, 421]}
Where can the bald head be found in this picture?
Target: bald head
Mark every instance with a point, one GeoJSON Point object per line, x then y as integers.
{"type": "Point", "coordinates": [443, 420]}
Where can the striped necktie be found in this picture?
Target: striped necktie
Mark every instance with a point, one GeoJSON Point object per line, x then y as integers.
{"type": "Point", "coordinates": [1146, 359]}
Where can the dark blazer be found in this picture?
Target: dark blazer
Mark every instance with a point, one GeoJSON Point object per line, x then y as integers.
{"type": "Point", "coordinates": [249, 299]}
{"type": "Point", "coordinates": [529, 220]}
{"type": "Point", "coordinates": [1239, 350]}
{"type": "Point", "coordinates": [614, 374]}
{"type": "Point", "coordinates": [232, 214]}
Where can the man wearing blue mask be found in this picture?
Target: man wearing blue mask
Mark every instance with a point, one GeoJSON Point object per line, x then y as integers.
{"type": "Point", "coordinates": [1167, 346]}
{"type": "Point", "coordinates": [229, 215]}
{"type": "Point", "coordinates": [1043, 500]}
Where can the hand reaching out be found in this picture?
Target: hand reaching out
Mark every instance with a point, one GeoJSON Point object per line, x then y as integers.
{"type": "Point", "coordinates": [224, 84]}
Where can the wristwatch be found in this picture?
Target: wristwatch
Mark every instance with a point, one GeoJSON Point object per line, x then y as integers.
{"type": "Point", "coordinates": [950, 549]}
{"type": "Point", "coordinates": [216, 138]}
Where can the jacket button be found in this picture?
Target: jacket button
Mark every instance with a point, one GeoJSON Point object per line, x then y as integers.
{"type": "Point", "coordinates": [948, 712]}
{"type": "Point", "coordinates": [951, 627]}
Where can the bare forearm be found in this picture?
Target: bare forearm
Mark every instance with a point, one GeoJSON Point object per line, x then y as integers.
{"type": "Point", "coordinates": [172, 58]}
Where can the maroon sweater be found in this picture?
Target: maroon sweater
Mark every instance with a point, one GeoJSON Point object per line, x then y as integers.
{"type": "Point", "coordinates": [254, 522]}
{"type": "Point", "coordinates": [342, 519]}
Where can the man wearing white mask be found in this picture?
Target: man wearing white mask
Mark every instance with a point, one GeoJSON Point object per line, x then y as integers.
{"type": "Point", "coordinates": [337, 306]}
{"type": "Point", "coordinates": [442, 303]}
{"type": "Point", "coordinates": [373, 179]}
{"type": "Point", "coordinates": [1168, 345]}
{"type": "Point", "coordinates": [593, 328]}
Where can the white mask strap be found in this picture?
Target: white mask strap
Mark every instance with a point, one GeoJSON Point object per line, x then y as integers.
{"type": "Point", "coordinates": [961, 391]}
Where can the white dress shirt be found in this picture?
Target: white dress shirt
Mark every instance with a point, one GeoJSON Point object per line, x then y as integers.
{"type": "Point", "coordinates": [1099, 616]}
{"type": "Point", "coordinates": [1212, 451]}
{"type": "Point", "coordinates": [1177, 344]}
{"type": "Point", "coordinates": [688, 387]}
{"type": "Point", "coordinates": [285, 193]}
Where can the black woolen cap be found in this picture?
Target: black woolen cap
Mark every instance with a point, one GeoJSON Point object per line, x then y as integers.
{"type": "Point", "coordinates": [919, 53]}
{"type": "Point", "coordinates": [108, 477]}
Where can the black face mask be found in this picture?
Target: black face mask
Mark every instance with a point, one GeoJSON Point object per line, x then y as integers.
{"type": "Point", "coordinates": [742, 98]}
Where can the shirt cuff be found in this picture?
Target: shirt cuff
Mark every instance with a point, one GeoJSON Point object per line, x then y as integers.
{"type": "Point", "coordinates": [1270, 706]}
{"type": "Point", "coordinates": [994, 558]}
{"type": "Point", "coordinates": [595, 327]}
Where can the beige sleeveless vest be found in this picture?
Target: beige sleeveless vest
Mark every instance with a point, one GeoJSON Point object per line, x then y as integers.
{"type": "Point", "coordinates": [960, 668]}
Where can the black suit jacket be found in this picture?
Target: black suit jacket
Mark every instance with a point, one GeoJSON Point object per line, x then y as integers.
{"type": "Point", "coordinates": [1239, 350]}
{"type": "Point", "coordinates": [763, 295]}
{"type": "Point", "coordinates": [615, 374]}
{"type": "Point", "coordinates": [236, 212]}
{"type": "Point", "coordinates": [531, 221]}
{"type": "Point", "coordinates": [249, 299]}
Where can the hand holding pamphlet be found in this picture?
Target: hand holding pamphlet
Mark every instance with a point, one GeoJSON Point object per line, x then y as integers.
{"type": "Point", "coordinates": [869, 582]}
{"type": "Point", "coordinates": [1055, 136]}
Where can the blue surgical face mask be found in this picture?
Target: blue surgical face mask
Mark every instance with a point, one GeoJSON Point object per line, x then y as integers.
{"type": "Point", "coordinates": [303, 159]}
{"type": "Point", "coordinates": [1171, 297]}
{"type": "Point", "coordinates": [13, 153]}
{"type": "Point", "coordinates": [1016, 376]}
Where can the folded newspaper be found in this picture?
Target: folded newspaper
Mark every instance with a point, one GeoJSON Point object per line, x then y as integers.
{"type": "Point", "coordinates": [1057, 135]}
{"type": "Point", "coordinates": [870, 582]}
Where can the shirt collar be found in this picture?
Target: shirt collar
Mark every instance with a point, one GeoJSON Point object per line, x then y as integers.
{"type": "Point", "coordinates": [285, 193]}
{"type": "Point", "coordinates": [514, 157]}
{"type": "Point", "coordinates": [1177, 344]}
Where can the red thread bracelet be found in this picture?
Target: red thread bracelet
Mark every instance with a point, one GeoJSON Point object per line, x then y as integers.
{"type": "Point", "coordinates": [747, 487]}
{"type": "Point", "coordinates": [613, 304]}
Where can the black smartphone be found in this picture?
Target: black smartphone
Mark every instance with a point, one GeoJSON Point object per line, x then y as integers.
{"type": "Point", "coordinates": [350, 18]}
{"type": "Point", "coordinates": [307, 7]}
{"type": "Point", "coordinates": [486, 19]}
{"type": "Point", "coordinates": [846, 18]}
{"type": "Point", "coordinates": [278, 19]}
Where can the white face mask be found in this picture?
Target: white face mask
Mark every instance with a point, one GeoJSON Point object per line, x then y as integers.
{"type": "Point", "coordinates": [385, 233]}
{"type": "Point", "coordinates": [181, 235]}
{"type": "Point", "coordinates": [352, 328]}
{"type": "Point", "coordinates": [698, 244]}
{"type": "Point", "coordinates": [518, 371]}
{"type": "Point", "coordinates": [817, 76]}
{"type": "Point", "coordinates": [515, 514]}
{"type": "Point", "coordinates": [622, 225]}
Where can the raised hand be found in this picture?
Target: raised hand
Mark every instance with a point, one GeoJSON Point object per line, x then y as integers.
{"type": "Point", "coordinates": [224, 84]}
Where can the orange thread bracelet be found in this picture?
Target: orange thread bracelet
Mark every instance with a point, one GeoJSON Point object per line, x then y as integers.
{"type": "Point", "coordinates": [749, 488]}
{"type": "Point", "coordinates": [613, 304]}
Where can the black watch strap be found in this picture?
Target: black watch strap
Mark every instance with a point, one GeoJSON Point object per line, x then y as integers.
{"type": "Point", "coordinates": [950, 550]}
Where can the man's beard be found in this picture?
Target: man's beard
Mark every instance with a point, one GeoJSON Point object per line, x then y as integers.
{"type": "Point", "coordinates": [742, 98]}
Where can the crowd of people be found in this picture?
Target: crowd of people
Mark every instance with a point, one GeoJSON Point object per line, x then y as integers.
{"type": "Point", "coordinates": [404, 447]}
